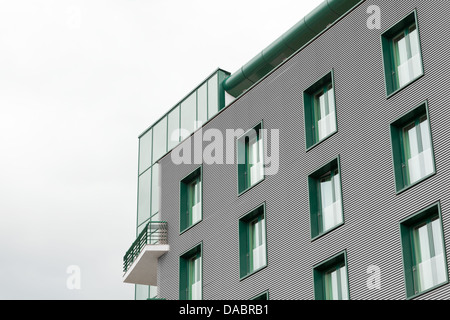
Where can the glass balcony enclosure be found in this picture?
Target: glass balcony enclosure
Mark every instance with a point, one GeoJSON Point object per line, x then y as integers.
{"type": "Point", "coordinates": [189, 114]}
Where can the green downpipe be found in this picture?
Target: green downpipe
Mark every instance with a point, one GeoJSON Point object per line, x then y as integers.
{"type": "Point", "coordinates": [287, 44]}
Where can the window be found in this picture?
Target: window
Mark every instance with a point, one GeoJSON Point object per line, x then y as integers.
{"type": "Point", "coordinates": [320, 111]}
{"type": "Point", "coordinates": [156, 192]}
{"type": "Point", "coordinates": [191, 200]}
{"type": "Point", "coordinates": [325, 198]}
{"type": "Point", "coordinates": [402, 55]}
{"type": "Point", "coordinates": [262, 296]}
{"type": "Point", "coordinates": [191, 283]}
{"type": "Point", "coordinates": [330, 279]}
{"type": "Point", "coordinates": [250, 158]}
{"type": "Point", "coordinates": [214, 105]}
{"type": "Point", "coordinates": [412, 148]}
{"type": "Point", "coordinates": [424, 255]}
{"type": "Point", "coordinates": [159, 139]}
{"type": "Point", "coordinates": [173, 127]}
{"type": "Point", "coordinates": [202, 105]}
{"type": "Point", "coordinates": [145, 151]}
{"type": "Point", "coordinates": [144, 197]}
{"type": "Point", "coordinates": [252, 242]}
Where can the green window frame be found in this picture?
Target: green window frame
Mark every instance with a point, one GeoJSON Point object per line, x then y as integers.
{"type": "Point", "coordinates": [191, 200]}
{"type": "Point", "coordinates": [252, 242]}
{"type": "Point", "coordinates": [250, 155]}
{"type": "Point", "coordinates": [424, 252]}
{"type": "Point", "coordinates": [331, 279]}
{"type": "Point", "coordinates": [191, 274]}
{"type": "Point", "coordinates": [319, 102]}
{"type": "Point", "coordinates": [261, 296]}
{"type": "Point", "coordinates": [402, 54]}
{"type": "Point", "coordinates": [325, 199]}
{"type": "Point", "coordinates": [412, 148]}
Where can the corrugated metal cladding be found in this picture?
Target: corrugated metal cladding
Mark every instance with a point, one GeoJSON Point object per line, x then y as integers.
{"type": "Point", "coordinates": [372, 209]}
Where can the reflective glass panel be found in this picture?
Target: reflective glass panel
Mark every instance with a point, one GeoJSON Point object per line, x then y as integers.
{"type": "Point", "coordinates": [188, 115]}
{"type": "Point", "coordinates": [145, 151]}
{"type": "Point", "coordinates": [160, 139]}
{"type": "Point", "coordinates": [173, 128]}
{"type": "Point", "coordinates": [202, 105]}
{"type": "Point", "coordinates": [213, 97]}
{"type": "Point", "coordinates": [155, 190]}
{"type": "Point", "coordinates": [144, 196]}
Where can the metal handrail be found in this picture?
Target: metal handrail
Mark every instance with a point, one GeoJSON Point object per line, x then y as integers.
{"type": "Point", "coordinates": [154, 233]}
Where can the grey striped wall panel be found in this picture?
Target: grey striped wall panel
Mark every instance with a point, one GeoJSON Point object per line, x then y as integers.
{"type": "Point", "coordinates": [372, 209]}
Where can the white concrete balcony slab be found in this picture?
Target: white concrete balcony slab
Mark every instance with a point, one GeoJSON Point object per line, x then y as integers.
{"type": "Point", "coordinates": [141, 260]}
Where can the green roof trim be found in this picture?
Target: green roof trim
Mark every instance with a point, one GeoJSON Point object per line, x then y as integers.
{"type": "Point", "coordinates": [318, 20]}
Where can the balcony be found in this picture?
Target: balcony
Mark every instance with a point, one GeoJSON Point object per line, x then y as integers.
{"type": "Point", "coordinates": [140, 263]}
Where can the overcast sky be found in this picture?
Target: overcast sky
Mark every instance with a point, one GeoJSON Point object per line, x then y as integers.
{"type": "Point", "coordinates": [79, 81]}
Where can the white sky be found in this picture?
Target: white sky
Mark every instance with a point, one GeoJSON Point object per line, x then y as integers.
{"type": "Point", "coordinates": [79, 81]}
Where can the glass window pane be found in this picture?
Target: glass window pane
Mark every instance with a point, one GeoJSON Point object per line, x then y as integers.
{"type": "Point", "coordinates": [173, 128]}
{"type": "Point", "coordinates": [322, 104]}
{"type": "Point", "coordinates": [327, 204]}
{"type": "Point", "coordinates": [407, 56]}
{"type": "Point", "coordinates": [437, 237]}
{"type": "Point", "coordinates": [425, 132]}
{"type": "Point", "coordinates": [344, 283]}
{"type": "Point", "coordinates": [155, 190]}
{"type": "Point", "coordinates": [418, 150]}
{"type": "Point", "coordinates": [415, 63]}
{"type": "Point", "coordinates": [421, 243]}
{"type": "Point", "coordinates": [319, 106]}
{"type": "Point", "coordinates": [330, 198]}
{"type": "Point", "coordinates": [144, 196]}
{"type": "Point", "coordinates": [336, 284]}
{"type": "Point", "coordinates": [414, 41]}
{"type": "Point", "coordinates": [195, 278]}
{"type": "Point", "coordinates": [213, 96]}
{"type": "Point", "coordinates": [255, 163]}
{"type": "Point", "coordinates": [331, 285]}
{"type": "Point", "coordinates": [429, 269]}
{"type": "Point", "coordinates": [188, 115]}
{"type": "Point", "coordinates": [160, 141]}
{"type": "Point", "coordinates": [426, 162]}
{"type": "Point", "coordinates": [258, 243]}
{"type": "Point", "coordinates": [412, 153]}
{"type": "Point", "coordinates": [195, 200]}
{"type": "Point", "coordinates": [142, 292]}
{"type": "Point", "coordinates": [326, 194]}
{"type": "Point", "coordinates": [401, 58]}
{"type": "Point", "coordinates": [337, 185]}
{"type": "Point", "coordinates": [401, 49]}
{"type": "Point", "coordinates": [412, 140]}
{"type": "Point", "coordinates": [145, 151]}
{"type": "Point", "coordinates": [423, 268]}
{"type": "Point", "coordinates": [331, 102]}
{"type": "Point", "coordinates": [330, 205]}
{"type": "Point", "coordinates": [440, 270]}
{"type": "Point", "coordinates": [202, 105]}
{"type": "Point", "coordinates": [153, 291]}
{"type": "Point", "coordinates": [325, 116]}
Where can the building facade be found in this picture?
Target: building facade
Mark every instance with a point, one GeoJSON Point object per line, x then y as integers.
{"type": "Point", "coordinates": [358, 206]}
